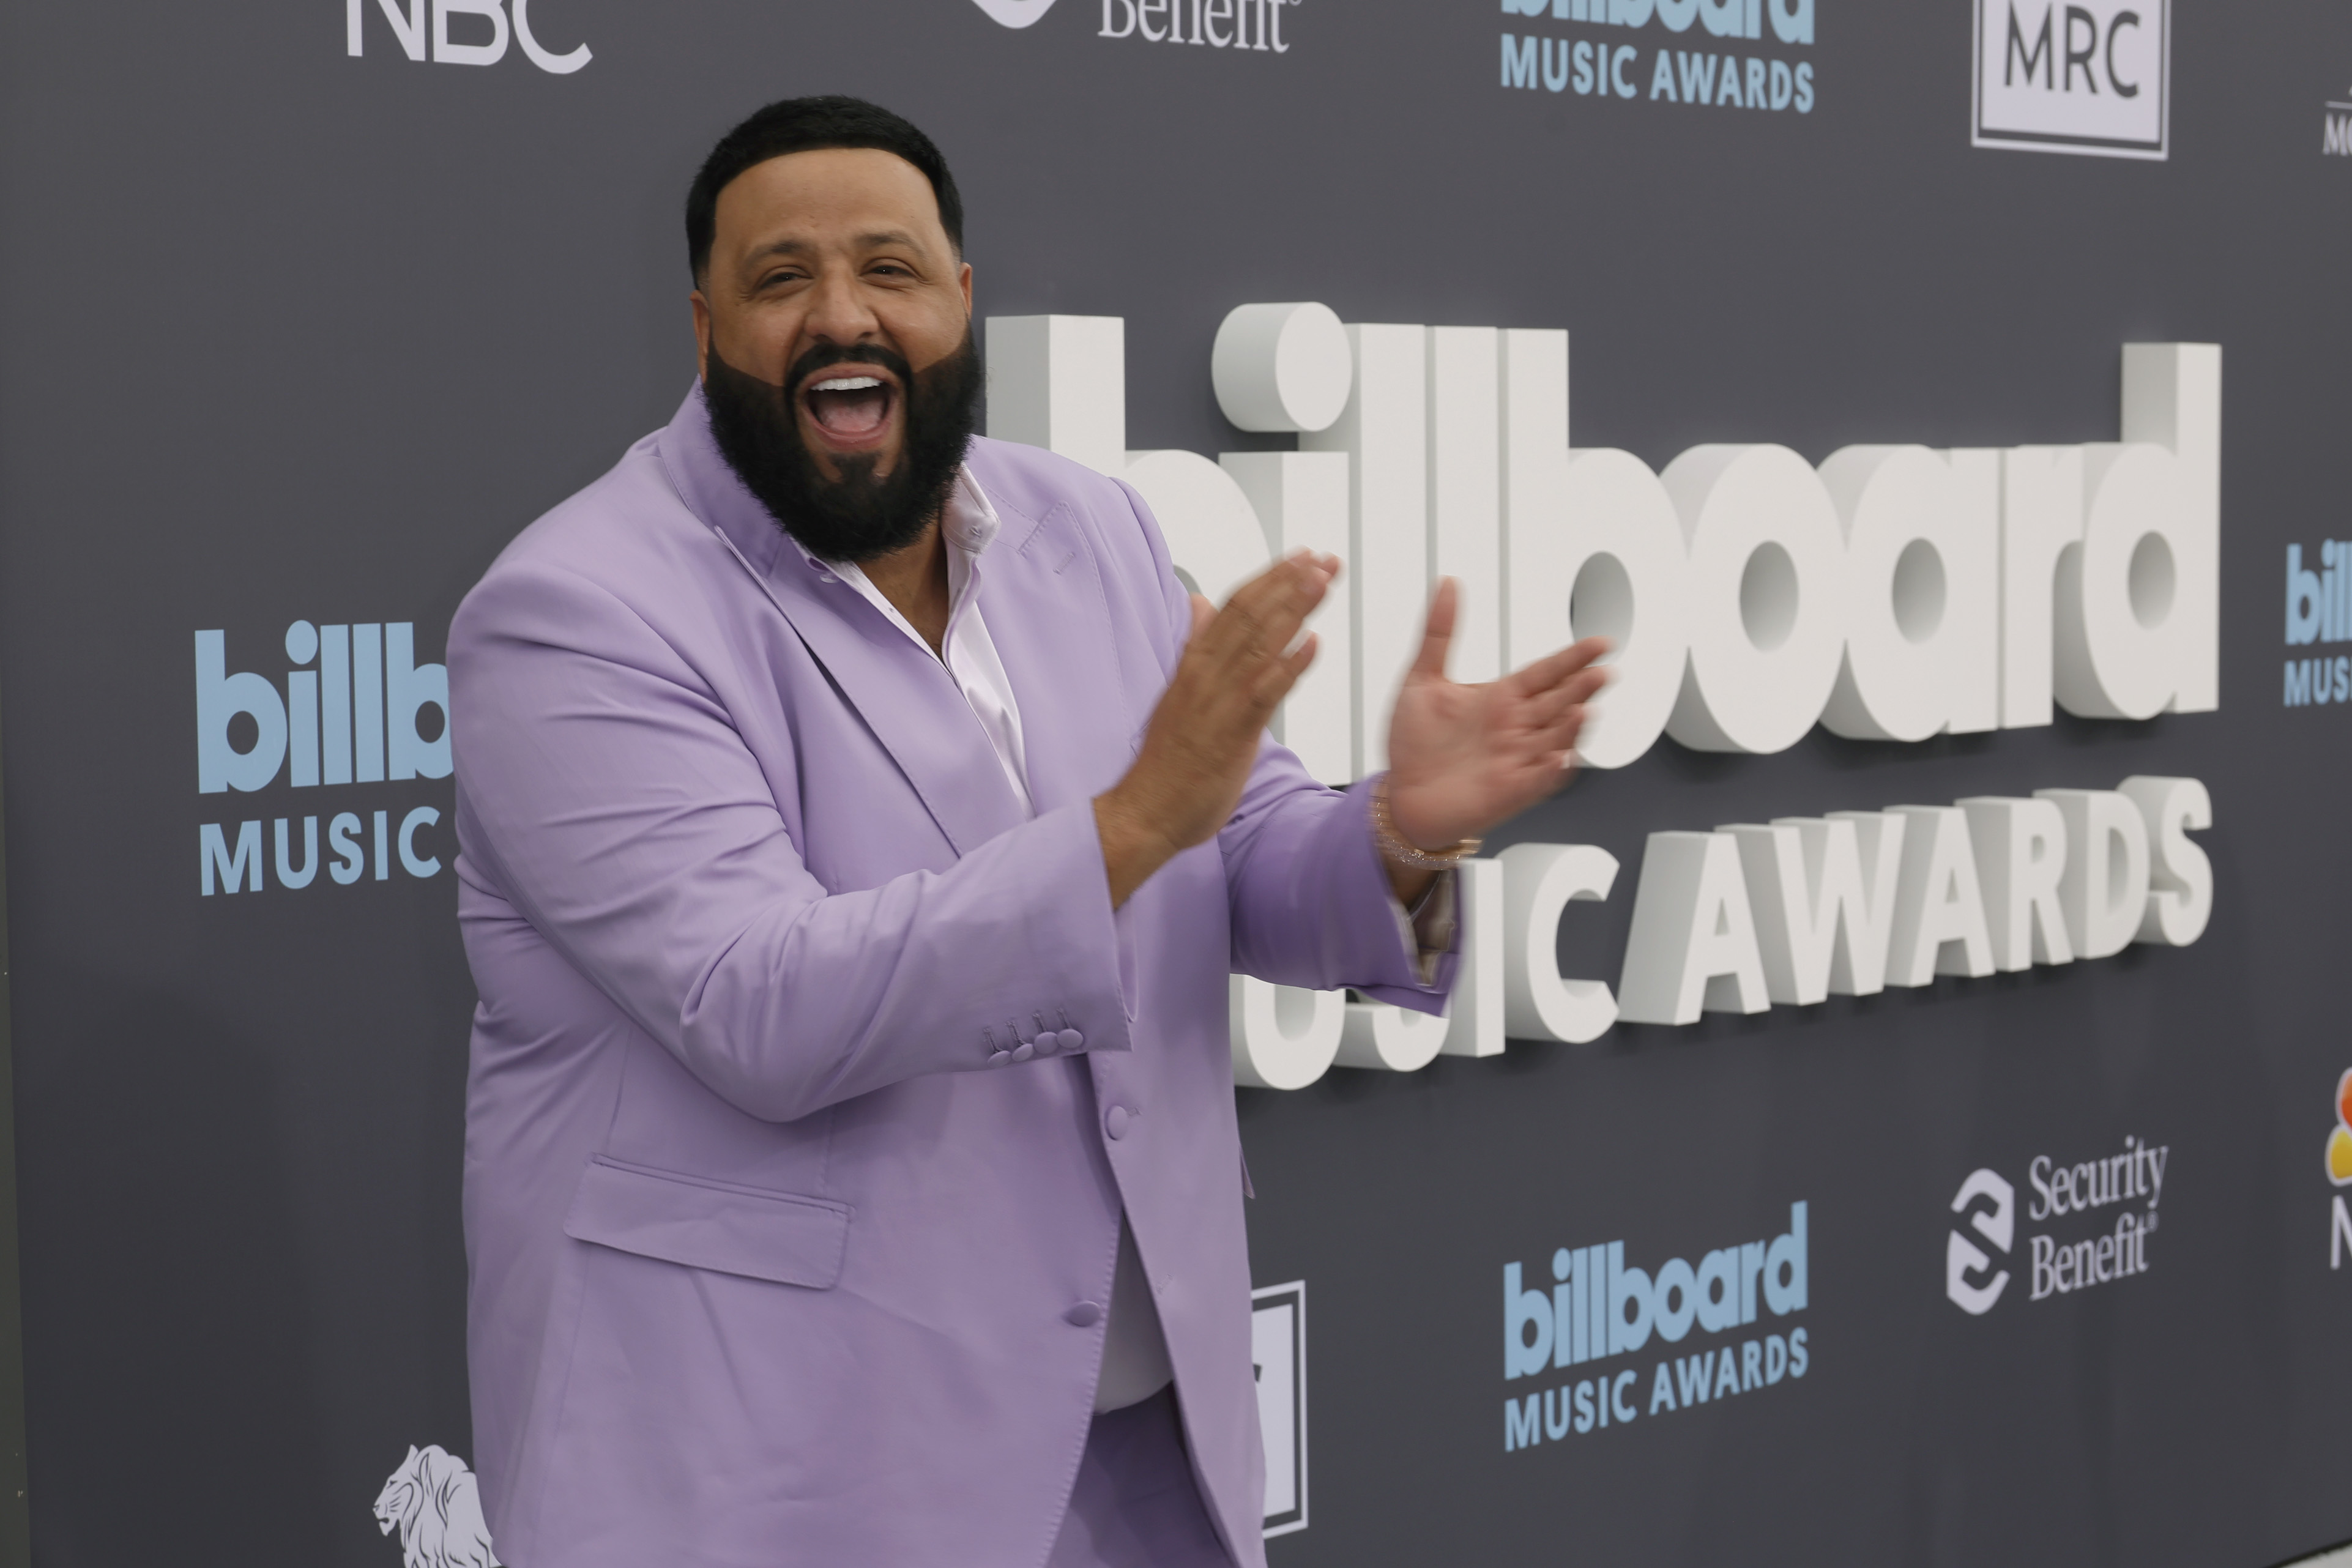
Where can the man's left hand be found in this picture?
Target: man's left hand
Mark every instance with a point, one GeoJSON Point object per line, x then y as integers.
{"type": "Point", "coordinates": [1464, 759]}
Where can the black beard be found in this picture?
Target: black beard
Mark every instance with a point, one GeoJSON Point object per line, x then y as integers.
{"type": "Point", "coordinates": [861, 516]}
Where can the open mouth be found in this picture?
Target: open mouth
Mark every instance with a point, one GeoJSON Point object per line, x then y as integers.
{"type": "Point", "coordinates": [851, 410]}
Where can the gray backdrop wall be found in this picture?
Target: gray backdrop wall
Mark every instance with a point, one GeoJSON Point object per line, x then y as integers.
{"type": "Point", "coordinates": [296, 336]}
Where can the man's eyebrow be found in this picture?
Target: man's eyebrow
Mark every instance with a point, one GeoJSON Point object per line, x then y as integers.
{"type": "Point", "coordinates": [781, 247]}
{"type": "Point", "coordinates": [878, 240]}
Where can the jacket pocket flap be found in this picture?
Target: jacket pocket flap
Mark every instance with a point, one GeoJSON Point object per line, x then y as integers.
{"type": "Point", "coordinates": [727, 1230]}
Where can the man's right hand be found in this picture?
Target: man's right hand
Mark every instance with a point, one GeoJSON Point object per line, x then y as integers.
{"type": "Point", "coordinates": [1203, 737]}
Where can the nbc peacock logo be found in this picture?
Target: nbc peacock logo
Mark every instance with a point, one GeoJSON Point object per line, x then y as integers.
{"type": "Point", "coordinates": [2339, 1171]}
{"type": "Point", "coordinates": [2340, 1142]}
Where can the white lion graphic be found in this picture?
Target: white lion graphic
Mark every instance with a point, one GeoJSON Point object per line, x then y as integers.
{"type": "Point", "coordinates": [431, 1498]}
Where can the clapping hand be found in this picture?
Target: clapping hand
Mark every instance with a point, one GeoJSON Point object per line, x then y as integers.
{"type": "Point", "coordinates": [1463, 758]}
{"type": "Point", "coordinates": [1460, 758]}
{"type": "Point", "coordinates": [1238, 666]}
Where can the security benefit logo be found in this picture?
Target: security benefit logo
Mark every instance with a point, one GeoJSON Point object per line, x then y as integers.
{"type": "Point", "coordinates": [1236, 25]}
{"type": "Point", "coordinates": [2092, 76]}
{"type": "Point", "coordinates": [353, 711]}
{"type": "Point", "coordinates": [1601, 1308]}
{"type": "Point", "coordinates": [2339, 1172]}
{"type": "Point", "coordinates": [2318, 614]}
{"type": "Point", "coordinates": [1710, 54]}
{"type": "Point", "coordinates": [1239, 25]}
{"type": "Point", "coordinates": [1278, 1361]}
{"type": "Point", "coordinates": [1980, 1255]}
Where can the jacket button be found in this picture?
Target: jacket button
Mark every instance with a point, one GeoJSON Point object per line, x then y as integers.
{"type": "Point", "coordinates": [1115, 1123]}
{"type": "Point", "coordinates": [1072, 1040]}
{"type": "Point", "coordinates": [1024, 1051]}
{"type": "Point", "coordinates": [1047, 1042]}
{"type": "Point", "coordinates": [1085, 1315]}
{"type": "Point", "coordinates": [999, 1058]}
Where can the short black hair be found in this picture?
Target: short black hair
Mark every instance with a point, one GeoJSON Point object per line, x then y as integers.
{"type": "Point", "coordinates": [806, 125]}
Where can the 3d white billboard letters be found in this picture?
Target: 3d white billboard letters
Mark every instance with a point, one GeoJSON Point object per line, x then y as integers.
{"type": "Point", "coordinates": [1893, 594]}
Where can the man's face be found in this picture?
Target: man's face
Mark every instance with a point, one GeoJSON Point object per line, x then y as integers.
{"type": "Point", "coordinates": [831, 278]}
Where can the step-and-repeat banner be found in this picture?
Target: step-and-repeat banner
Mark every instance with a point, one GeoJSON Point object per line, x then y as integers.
{"type": "Point", "coordinates": [1896, 1106]}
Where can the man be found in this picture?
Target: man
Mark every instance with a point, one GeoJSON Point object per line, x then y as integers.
{"type": "Point", "coordinates": [857, 829]}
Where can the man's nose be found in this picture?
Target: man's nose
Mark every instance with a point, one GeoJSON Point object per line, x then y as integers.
{"type": "Point", "coordinates": [838, 313]}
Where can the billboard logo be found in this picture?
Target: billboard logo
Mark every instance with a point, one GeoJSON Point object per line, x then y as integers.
{"type": "Point", "coordinates": [1600, 1307]}
{"type": "Point", "coordinates": [2339, 1171]}
{"type": "Point", "coordinates": [2319, 610]}
{"type": "Point", "coordinates": [2073, 76]}
{"type": "Point", "coordinates": [1963, 1257]}
{"type": "Point", "coordinates": [1609, 66]}
{"type": "Point", "coordinates": [2336, 141]}
{"type": "Point", "coordinates": [1278, 1361]}
{"type": "Point", "coordinates": [353, 719]}
{"type": "Point", "coordinates": [354, 711]}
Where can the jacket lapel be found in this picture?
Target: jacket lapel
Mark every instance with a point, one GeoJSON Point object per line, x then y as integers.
{"type": "Point", "coordinates": [1040, 589]}
{"type": "Point", "coordinates": [908, 700]}
{"type": "Point", "coordinates": [905, 697]}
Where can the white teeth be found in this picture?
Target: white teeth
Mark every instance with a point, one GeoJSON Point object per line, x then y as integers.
{"type": "Point", "coordinates": [848, 383]}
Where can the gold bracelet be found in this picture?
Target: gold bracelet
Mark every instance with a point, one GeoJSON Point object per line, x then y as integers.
{"type": "Point", "coordinates": [1394, 847]}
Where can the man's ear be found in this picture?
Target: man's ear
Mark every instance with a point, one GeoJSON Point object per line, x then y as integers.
{"type": "Point", "coordinates": [963, 280]}
{"type": "Point", "coordinates": [701, 335]}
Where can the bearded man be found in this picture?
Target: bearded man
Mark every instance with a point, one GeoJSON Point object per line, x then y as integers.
{"type": "Point", "coordinates": [857, 828]}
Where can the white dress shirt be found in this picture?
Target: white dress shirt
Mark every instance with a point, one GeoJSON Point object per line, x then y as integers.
{"type": "Point", "coordinates": [969, 525]}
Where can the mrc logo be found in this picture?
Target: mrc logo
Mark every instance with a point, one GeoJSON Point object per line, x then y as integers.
{"type": "Point", "coordinates": [2092, 76]}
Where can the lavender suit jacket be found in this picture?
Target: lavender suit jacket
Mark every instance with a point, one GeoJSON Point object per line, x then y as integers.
{"type": "Point", "coordinates": [776, 1257]}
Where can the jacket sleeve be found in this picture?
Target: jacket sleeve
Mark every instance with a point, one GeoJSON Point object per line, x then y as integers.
{"type": "Point", "coordinates": [604, 789]}
{"type": "Point", "coordinates": [1311, 901]}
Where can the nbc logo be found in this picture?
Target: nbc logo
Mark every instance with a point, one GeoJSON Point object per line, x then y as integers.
{"type": "Point", "coordinates": [2339, 1171]}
